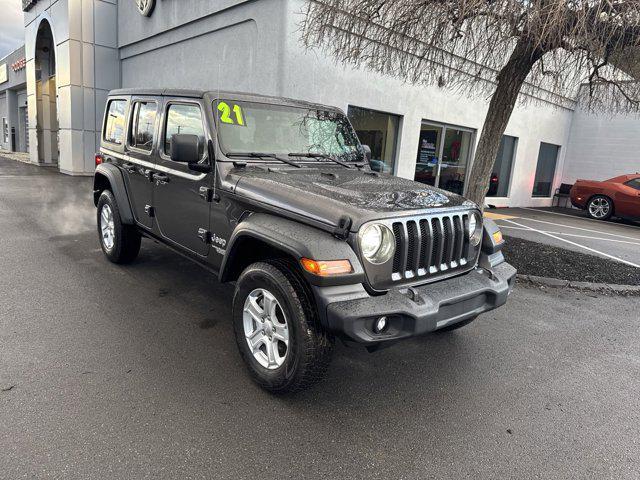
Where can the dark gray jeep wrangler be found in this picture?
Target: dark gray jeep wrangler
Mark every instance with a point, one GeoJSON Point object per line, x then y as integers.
{"type": "Point", "coordinates": [277, 196]}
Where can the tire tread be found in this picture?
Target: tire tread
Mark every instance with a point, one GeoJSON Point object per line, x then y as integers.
{"type": "Point", "coordinates": [316, 351]}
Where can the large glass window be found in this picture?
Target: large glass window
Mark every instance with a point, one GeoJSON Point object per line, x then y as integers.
{"type": "Point", "coordinates": [455, 159]}
{"type": "Point", "coordinates": [546, 170]}
{"type": "Point", "coordinates": [444, 153]}
{"type": "Point", "coordinates": [114, 123]}
{"type": "Point", "coordinates": [183, 119]}
{"type": "Point", "coordinates": [143, 125]}
{"type": "Point", "coordinates": [380, 132]}
{"type": "Point", "coordinates": [428, 161]}
{"type": "Point", "coordinates": [501, 173]}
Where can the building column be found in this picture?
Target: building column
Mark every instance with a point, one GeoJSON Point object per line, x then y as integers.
{"type": "Point", "coordinates": [35, 146]}
{"type": "Point", "coordinates": [89, 66]}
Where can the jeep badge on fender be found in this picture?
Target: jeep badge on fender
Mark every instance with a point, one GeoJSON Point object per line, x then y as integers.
{"type": "Point", "coordinates": [277, 195]}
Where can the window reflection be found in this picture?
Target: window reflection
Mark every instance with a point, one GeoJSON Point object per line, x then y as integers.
{"type": "Point", "coordinates": [380, 132]}
{"type": "Point", "coordinates": [545, 170]}
{"type": "Point", "coordinates": [501, 173]}
{"type": "Point", "coordinates": [144, 125]}
{"type": "Point", "coordinates": [183, 119]}
{"type": "Point", "coordinates": [114, 126]}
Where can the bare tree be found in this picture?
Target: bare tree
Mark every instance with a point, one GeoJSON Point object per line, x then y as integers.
{"type": "Point", "coordinates": [508, 49]}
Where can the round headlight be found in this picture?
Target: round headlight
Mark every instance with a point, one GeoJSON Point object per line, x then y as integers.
{"type": "Point", "coordinates": [475, 229]}
{"type": "Point", "coordinates": [377, 243]}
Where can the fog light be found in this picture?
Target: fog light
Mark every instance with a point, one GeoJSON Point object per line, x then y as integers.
{"type": "Point", "coordinates": [380, 325]}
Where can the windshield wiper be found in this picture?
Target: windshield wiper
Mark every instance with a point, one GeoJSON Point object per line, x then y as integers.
{"type": "Point", "coordinates": [263, 156]}
{"type": "Point", "coordinates": [324, 156]}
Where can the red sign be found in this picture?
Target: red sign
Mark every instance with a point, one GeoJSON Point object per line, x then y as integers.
{"type": "Point", "coordinates": [19, 65]}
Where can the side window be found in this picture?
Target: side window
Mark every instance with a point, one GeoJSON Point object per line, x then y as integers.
{"type": "Point", "coordinates": [143, 125]}
{"type": "Point", "coordinates": [635, 183]}
{"type": "Point", "coordinates": [114, 123]}
{"type": "Point", "coordinates": [183, 118]}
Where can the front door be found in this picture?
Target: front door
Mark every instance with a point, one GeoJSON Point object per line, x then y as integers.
{"type": "Point", "coordinates": [23, 130]}
{"type": "Point", "coordinates": [139, 162]}
{"type": "Point", "coordinates": [181, 208]}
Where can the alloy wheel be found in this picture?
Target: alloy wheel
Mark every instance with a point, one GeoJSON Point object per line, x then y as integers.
{"type": "Point", "coordinates": [107, 226]}
{"type": "Point", "coordinates": [599, 207]}
{"type": "Point", "coordinates": [266, 328]}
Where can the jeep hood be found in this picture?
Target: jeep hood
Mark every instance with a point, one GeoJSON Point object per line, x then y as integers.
{"type": "Point", "coordinates": [327, 194]}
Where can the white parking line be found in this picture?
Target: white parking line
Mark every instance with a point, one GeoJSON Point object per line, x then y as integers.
{"type": "Point", "coordinates": [573, 216]}
{"type": "Point", "coordinates": [577, 228]}
{"type": "Point", "coordinates": [575, 244]}
{"type": "Point", "coordinates": [574, 235]}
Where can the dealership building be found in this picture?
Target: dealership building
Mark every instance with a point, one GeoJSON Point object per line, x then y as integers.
{"type": "Point", "coordinates": [13, 102]}
{"type": "Point", "coordinates": [78, 50]}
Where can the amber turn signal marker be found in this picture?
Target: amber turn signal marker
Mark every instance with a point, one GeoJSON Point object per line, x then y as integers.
{"type": "Point", "coordinates": [497, 237]}
{"type": "Point", "coordinates": [325, 268]}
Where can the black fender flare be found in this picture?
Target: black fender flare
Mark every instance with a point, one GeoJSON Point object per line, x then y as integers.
{"type": "Point", "coordinates": [297, 240]}
{"type": "Point", "coordinates": [113, 176]}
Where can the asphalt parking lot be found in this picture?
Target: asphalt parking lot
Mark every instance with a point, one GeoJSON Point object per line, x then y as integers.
{"type": "Point", "coordinates": [132, 372]}
{"type": "Point", "coordinates": [617, 240]}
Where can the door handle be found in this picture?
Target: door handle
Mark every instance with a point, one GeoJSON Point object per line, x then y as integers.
{"type": "Point", "coordinates": [129, 167]}
{"type": "Point", "coordinates": [160, 178]}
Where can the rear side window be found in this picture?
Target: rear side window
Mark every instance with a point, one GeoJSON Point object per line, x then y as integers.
{"type": "Point", "coordinates": [114, 123]}
{"type": "Point", "coordinates": [185, 119]}
{"type": "Point", "coordinates": [635, 183]}
{"type": "Point", "coordinates": [143, 125]}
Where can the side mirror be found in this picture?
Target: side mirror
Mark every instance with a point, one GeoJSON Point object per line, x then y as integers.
{"type": "Point", "coordinates": [367, 152]}
{"type": "Point", "coordinates": [184, 148]}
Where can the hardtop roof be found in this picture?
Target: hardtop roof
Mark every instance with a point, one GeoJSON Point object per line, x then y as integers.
{"type": "Point", "coordinates": [214, 94]}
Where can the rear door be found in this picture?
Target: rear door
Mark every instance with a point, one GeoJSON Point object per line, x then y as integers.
{"type": "Point", "coordinates": [139, 160]}
{"type": "Point", "coordinates": [181, 206]}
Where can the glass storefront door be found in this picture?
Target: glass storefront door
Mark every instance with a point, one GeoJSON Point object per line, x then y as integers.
{"type": "Point", "coordinates": [455, 158]}
{"type": "Point", "coordinates": [428, 154]}
{"type": "Point", "coordinates": [444, 154]}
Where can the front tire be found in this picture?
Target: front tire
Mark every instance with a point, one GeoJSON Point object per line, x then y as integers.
{"type": "Point", "coordinates": [600, 207]}
{"type": "Point", "coordinates": [120, 243]}
{"type": "Point", "coordinates": [277, 329]}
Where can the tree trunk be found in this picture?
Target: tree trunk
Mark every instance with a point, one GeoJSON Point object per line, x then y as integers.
{"type": "Point", "coordinates": [510, 80]}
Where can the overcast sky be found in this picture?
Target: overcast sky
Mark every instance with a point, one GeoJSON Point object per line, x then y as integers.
{"type": "Point", "coordinates": [11, 29]}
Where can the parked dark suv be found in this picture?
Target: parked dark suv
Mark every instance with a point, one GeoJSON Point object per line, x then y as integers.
{"type": "Point", "coordinates": [277, 196]}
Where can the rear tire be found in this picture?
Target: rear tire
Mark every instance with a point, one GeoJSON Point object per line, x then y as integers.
{"type": "Point", "coordinates": [456, 326]}
{"type": "Point", "coordinates": [600, 207]}
{"type": "Point", "coordinates": [120, 243]}
{"type": "Point", "coordinates": [274, 309]}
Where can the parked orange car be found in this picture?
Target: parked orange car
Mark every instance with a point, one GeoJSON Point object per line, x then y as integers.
{"type": "Point", "coordinates": [619, 196]}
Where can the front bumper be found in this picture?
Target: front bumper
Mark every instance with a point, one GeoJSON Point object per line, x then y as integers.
{"type": "Point", "coordinates": [416, 310]}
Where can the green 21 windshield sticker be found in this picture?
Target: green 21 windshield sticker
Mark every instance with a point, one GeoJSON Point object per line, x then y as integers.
{"type": "Point", "coordinates": [225, 112]}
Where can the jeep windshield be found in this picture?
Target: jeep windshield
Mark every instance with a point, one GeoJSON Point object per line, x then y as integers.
{"type": "Point", "coordinates": [262, 130]}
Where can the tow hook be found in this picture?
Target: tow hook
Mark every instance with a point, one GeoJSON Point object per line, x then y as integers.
{"type": "Point", "coordinates": [491, 275]}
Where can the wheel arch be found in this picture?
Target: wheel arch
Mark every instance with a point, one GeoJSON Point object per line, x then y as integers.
{"type": "Point", "coordinates": [605, 195]}
{"type": "Point", "coordinates": [262, 236]}
{"type": "Point", "coordinates": [109, 177]}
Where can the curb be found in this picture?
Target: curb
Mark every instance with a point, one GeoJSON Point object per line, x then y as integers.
{"type": "Point", "coordinates": [623, 290]}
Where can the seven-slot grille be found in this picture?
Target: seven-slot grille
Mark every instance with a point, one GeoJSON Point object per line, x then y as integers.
{"type": "Point", "coordinates": [430, 246]}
